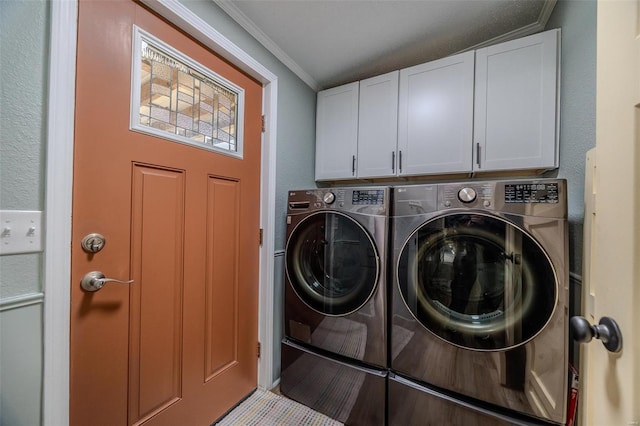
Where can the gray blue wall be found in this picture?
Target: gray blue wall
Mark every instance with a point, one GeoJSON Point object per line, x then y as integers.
{"type": "Point", "coordinates": [577, 18]}
{"type": "Point", "coordinates": [24, 30]}
{"type": "Point", "coordinates": [23, 90]}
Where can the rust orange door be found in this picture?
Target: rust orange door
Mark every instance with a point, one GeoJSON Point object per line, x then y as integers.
{"type": "Point", "coordinates": [177, 346]}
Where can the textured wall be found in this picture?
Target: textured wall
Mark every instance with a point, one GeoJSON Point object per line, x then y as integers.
{"type": "Point", "coordinates": [23, 36]}
{"type": "Point", "coordinates": [23, 90]}
{"type": "Point", "coordinates": [577, 108]}
{"type": "Point", "coordinates": [24, 29]}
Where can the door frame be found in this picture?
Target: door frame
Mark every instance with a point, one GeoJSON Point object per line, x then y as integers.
{"type": "Point", "coordinates": [59, 185]}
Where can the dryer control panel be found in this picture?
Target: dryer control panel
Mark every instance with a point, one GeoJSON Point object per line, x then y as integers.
{"type": "Point", "coordinates": [531, 193]}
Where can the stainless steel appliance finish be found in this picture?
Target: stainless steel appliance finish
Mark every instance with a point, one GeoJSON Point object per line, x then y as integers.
{"type": "Point", "coordinates": [413, 404]}
{"type": "Point", "coordinates": [335, 264]}
{"type": "Point", "coordinates": [354, 395]}
{"type": "Point", "coordinates": [480, 291]}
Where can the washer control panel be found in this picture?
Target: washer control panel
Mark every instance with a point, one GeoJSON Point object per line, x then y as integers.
{"type": "Point", "coordinates": [367, 197]}
{"type": "Point", "coordinates": [467, 195]}
{"type": "Point", "coordinates": [367, 200]}
{"type": "Point", "coordinates": [329, 197]}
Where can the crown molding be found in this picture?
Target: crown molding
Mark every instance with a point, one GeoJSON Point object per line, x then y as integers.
{"type": "Point", "coordinates": [535, 27]}
{"type": "Point", "coordinates": [237, 15]}
{"type": "Point", "coordinates": [245, 22]}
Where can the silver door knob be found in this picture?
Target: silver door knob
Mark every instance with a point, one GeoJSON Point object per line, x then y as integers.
{"type": "Point", "coordinates": [607, 331]}
{"type": "Point", "coordinates": [95, 280]}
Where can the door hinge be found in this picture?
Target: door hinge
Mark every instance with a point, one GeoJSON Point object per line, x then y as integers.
{"type": "Point", "coordinates": [261, 236]}
{"type": "Point", "coordinates": [263, 124]}
{"type": "Point", "coordinates": [259, 350]}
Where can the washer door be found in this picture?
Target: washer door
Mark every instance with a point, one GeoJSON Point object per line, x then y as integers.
{"type": "Point", "coordinates": [332, 263]}
{"type": "Point", "coordinates": [477, 281]}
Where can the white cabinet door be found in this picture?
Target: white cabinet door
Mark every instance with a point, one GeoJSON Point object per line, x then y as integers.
{"type": "Point", "coordinates": [378, 126]}
{"type": "Point", "coordinates": [337, 132]}
{"type": "Point", "coordinates": [435, 116]}
{"type": "Point", "coordinates": [516, 104]}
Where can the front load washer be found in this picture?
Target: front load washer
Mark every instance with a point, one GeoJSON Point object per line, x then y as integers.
{"type": "Point", "coordinates": [334, 354]}
{"type": "Point", "coordinates": [480, 293]}
{"type": "Point", "coordinates": [335, 271]}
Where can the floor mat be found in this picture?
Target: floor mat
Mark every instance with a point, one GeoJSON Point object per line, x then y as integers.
{"type": "Point", "coordinates": [268, 409]}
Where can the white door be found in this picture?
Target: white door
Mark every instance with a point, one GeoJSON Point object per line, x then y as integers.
{"type": "Point", "coordinates": [611, 382]}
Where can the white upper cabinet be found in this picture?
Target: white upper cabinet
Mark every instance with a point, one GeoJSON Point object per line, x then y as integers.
{"type": "Point", "coordinates": [337, 132]}
{"type": "Point", "coordinates": [493, 109]}
{"type": "Point", "coordinates": [378, 126]}
{"type": "Point", "coordinates": [516, 102]}
{"type": "Point", "coordinates": [435, 117]}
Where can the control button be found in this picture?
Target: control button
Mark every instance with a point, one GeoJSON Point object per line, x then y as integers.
{"type": "Point", "coordinates": [467, 195]}
{"type": "Point", "coordinates": [487, 203]}
{"type": "Point", "coordinates": [329, 197]}
{"type": "Point", "coordinates": [447, 203]}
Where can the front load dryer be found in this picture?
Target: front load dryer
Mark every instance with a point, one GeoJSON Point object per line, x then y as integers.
{"type": "Point", "coordinates": [479, 304]}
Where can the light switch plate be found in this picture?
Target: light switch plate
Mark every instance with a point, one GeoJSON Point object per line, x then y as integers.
{"type": "Point", "coordinates": [20, 231]}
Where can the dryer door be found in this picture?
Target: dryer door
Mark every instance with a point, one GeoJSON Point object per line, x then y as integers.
{"type": "Point", "coordinates": [477, 281]}
{"type": "Point", "coordinates": [332, 263]}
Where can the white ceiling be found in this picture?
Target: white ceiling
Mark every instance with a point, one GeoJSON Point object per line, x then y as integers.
{"type": "Point", "coordinates": [330, 42]}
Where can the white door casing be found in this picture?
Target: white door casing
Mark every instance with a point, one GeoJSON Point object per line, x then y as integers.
{"type": "Point", "coordinates": [610, 383]}
{"type": "Point", "coordinates": [60, 132]}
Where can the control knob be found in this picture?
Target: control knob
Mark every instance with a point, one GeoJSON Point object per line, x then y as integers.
{"type": "Point", "coordinates": [467, 195]}
{"type": "Point", "coordinates": [329, 197]}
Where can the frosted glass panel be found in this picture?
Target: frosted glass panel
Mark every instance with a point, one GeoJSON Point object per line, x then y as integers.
{"type": "Point", "coordinates": [183, 100]}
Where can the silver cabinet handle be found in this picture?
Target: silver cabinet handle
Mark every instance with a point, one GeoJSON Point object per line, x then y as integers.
{"type": "Point", "coordinates": [478, 154]}
{"type": "Point", "coordinates": [95, 280]}
{"type": "Point", "coordinates": [393, 161]}
{"type": "Point", "coordinates": [353, 165]}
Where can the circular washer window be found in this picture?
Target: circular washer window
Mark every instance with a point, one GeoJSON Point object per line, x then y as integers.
{"type": "Point", "coordinates": [332, 263]}
{"type": "Point", "coordinates": [477, 281]}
